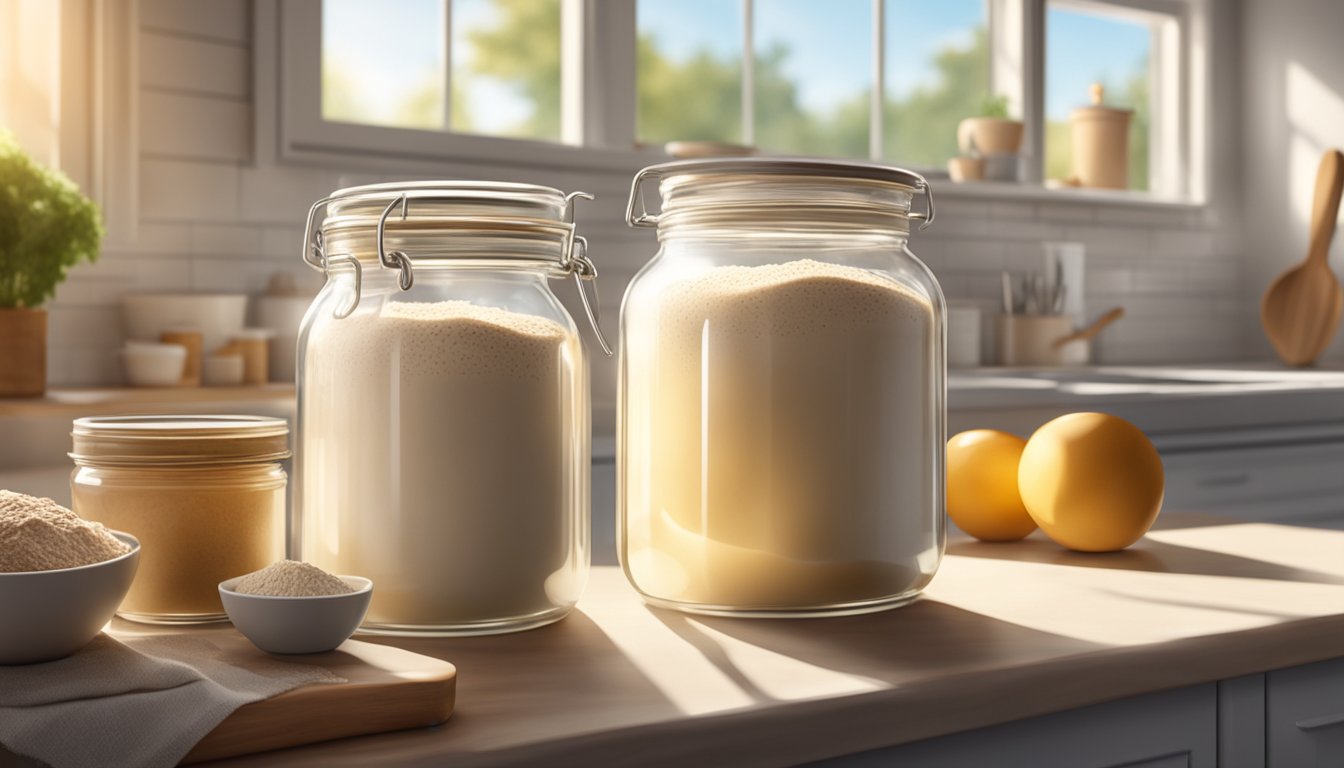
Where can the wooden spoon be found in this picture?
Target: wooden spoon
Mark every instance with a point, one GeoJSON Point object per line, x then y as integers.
{"type": "Point", "coordinates": [1301, 309]}
{"type": "Point", "coordinates": [1091, 330]}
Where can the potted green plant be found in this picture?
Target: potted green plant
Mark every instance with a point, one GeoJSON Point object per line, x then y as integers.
{"type": "Point", "coordinates": [993, 132]}
{"type": "Point", "coordinates": [46, 227]}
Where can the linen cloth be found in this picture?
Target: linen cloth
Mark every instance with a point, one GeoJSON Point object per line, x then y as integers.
{"type": "Point", "coordinates": [141, 700]}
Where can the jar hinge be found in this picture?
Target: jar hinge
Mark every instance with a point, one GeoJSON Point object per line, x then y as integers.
{"type": "Point", "coordinates": [575, 261]}
{"type": "Point", "coordinates": [925, 218]}
{"type": "Point", "coordinates": [644, 219]}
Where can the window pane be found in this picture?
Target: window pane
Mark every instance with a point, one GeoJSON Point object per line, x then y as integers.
{"type": "Point", "coordinates": [506, 67]}
{"type": "Point", "coordinates": [936, 73]}
{"type": "Point", "coordinates": [689, 70]}
{"type": "Point", "coordinates": [813, 76]}
{"type": "Point", "coordinates": [1085, 47]}
{"type": "Point", "coordinates": [383, 63]}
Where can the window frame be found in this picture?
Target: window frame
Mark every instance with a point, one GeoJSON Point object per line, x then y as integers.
{"type": "Point", "coordinates": [599, 96]}
{"type": "Point", "coordinates": [1169, 86]}
{"type": "Point", "coordinates": [597, 85]}
{"type": "Point", "coordinates": [82, 99]}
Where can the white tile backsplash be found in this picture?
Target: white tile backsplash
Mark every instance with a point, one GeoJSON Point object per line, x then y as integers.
{"type": "Point", "coordinates": [178, 125]}
{"type": "Point", "coordinates": [191, 65]}
{"type": "Point", "coordinates": [188, 191]}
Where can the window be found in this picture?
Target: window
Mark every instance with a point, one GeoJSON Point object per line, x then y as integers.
{"type": "Point", "coordinates": [470, 66]}
{"type": "Point", "coordinates": [604, 83]}
{"type": "Point", "coordinates": [813, 71]}
{"type": "Point", "coordinates": [1092, 43]}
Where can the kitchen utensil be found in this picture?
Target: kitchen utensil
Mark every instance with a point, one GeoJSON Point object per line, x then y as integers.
{"type": "Point", "coordinates": [1065, 262]}
{"type": "Point", "coordinates": [1086, 334]}
{"type": "Point", "coordinates": [1300, 311]}
{"type": "Point", "coordinates": [216, 316]}
{"type": "Point", "coordinates": [153, 364]}
{"type": "Point", "coordinates": [385, 689]}
{"type": "Point", "coordinates": [1030, 340]}
{"type": "Point", "coordinates": [297, 624]}
{"type": "Point", "coordinates": [51, 614]}
{"type": "Point", "coordinates": [1100, 139]}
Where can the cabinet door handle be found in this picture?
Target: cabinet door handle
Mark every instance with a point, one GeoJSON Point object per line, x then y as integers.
{"type": "Point", "coordinates": [1324, 721]}
{"type": "Point", "coordinates": [1215, 481]}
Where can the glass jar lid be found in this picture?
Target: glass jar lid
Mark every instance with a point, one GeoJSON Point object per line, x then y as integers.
{"type": "Point", "coordinates": [458, 221]}
{"type": "Point", "coordinates": [179, 440]}
{"type": "Point", "coordinates": [398, 225]}
{"type": "Point", "coordinates": [781, 192]}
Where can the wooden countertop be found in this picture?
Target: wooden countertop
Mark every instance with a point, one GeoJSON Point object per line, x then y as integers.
{"type": "Point", "coordinates": [110, 400]}
{"type": "Point", "coordinates": [1004, 632]}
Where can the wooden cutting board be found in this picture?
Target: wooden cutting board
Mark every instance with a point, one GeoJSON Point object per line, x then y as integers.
{"type": "Point", "coordinates": [386, 689]}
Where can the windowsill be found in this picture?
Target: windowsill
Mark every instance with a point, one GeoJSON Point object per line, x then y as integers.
{"type": "Point", "coordinates": [491, 153]}
{"type": "Point", "coordinates": [1005, 190]}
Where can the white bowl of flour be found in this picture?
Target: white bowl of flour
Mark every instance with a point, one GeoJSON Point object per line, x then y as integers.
{"type": "Point", "coordinates": [51, 612]}
{"type": "Point", "coordinates": [294, 607]}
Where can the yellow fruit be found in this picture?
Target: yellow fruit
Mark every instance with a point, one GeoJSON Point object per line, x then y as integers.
{"type": "Point", "coordinates": [1093, 482]}
{"type": "Point", "coordinates": [982, 497]}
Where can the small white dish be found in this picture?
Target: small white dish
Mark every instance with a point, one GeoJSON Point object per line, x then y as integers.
{"type": "Point", "coordinates": [297, 624]}
{"type": "Point", "coordinates": [49, 615]}
{"type": "Point", "coordinates": [151, 364]}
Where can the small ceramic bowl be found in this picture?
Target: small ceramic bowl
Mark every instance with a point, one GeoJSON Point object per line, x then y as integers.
{"type": "Point", "coordinates": [150, 364]}
{"type": "Point", "coordinates": [49, 615]}
{"type": "Point", "coordinates": [297, 624]}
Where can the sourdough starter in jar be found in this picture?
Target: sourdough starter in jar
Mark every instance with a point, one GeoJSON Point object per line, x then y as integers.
{"type": "Point", "coordinates": [464, 512]}
{"type": "Point", "coordinates": [783, 457]}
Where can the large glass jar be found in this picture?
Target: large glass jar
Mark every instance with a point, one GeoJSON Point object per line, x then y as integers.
{"type": "Point", "coordinates": [204, 494]}
{"type": "Point", "coordinates": [781, 423]}
{"type": "Point", "coordinates": [443, 432]}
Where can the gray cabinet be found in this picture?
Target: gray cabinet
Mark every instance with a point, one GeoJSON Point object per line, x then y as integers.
{"type": "Point", "coordinates": [1304, 715]}
{"type": "Point", "coordinates": [1171, 729]}
{"type": "Point", "coordinates": [1287, 718]}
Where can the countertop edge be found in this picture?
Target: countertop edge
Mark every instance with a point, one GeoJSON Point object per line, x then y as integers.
{"type": "Point", "coordinates": [818, 729]}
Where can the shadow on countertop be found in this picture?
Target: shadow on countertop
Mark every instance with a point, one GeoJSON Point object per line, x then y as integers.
{"type": "Point", "coordinates": [1147, 555]}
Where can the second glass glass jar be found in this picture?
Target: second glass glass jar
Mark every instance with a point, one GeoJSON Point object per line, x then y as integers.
{"type": "Point", "coordinates": [443, 446]}
{"type": "Point", "coordinates": [781, 434]}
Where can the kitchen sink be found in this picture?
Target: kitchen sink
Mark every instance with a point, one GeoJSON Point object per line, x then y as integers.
{"type": "Point", "coordinates": [1141, 381]}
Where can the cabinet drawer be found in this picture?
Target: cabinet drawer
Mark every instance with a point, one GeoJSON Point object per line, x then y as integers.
{"type": "Point", "coordinates": [1171, 729]}
{"type": "Point", "coordinates": [1304, 716]}
{"type": "Point", "coordinates": [1232, 477]}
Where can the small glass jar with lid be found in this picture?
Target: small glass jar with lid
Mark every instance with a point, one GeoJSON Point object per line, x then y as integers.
{"type": "Point", "coordinates": [443, 447]}
{"type": "Point", "coordinates": [782, 420]}
{"type": "Point", "coordinates": [204, 494]}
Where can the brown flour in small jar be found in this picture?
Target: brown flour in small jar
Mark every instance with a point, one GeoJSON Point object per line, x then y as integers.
{"type": "Point", "coordinates": [37, 534]}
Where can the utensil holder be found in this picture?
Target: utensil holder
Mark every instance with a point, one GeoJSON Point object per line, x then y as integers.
{"type": "Point", "coordinates": [1030, 340]}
